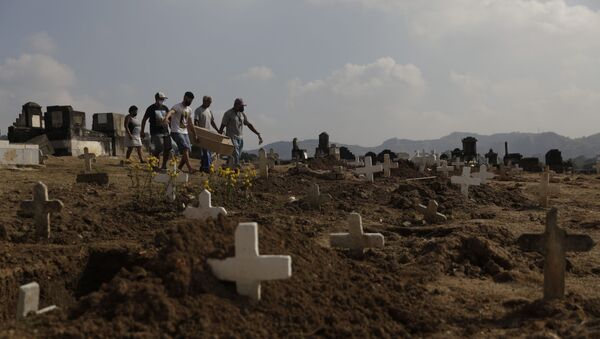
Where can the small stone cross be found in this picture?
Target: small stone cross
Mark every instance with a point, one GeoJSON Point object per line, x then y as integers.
{"type": "Point", "coordinates": [29, 301]}
{"type": "Point", "coordinates": [369, 169]}
{"type": "Point", "coordinates": [553, 244]}
{"type": "Point", "coordinates": [263, 164]}
{"type": "Point", "coordinates": [545, 190]}
{"type": "Point", "coordinates": [40, 207]}
{"type": "Point", "coordinates": [465, 180]}
{"type": "Point", "coordinates": [388, 165]}
{"type": "Point", "coordinates": [356, 239]}
{"type": "Point", "coordinates": [483, 174]}
{"type": "Point", "coordinates": [444, 168]}
{"type": "Point", "coordinates": [88, 159]}
{"type": "Point", "coordinates": [248, 268]}
{"type": "Point", "coordinates": [430, 212]}
{"type": "Point", "coordinates": [170, 182]}
{"type": "Point", "coordinates": [205, 209]}
{"type": "Point", "coordinates": [458, 164]}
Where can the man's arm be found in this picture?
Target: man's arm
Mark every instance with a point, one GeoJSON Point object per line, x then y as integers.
{"type": "Point", "coordinates": [191, 129]}
{"type": "Point", "coordinates": [212, 123]}
{"type": "Point", "coordinates": [251, 127]}
{"type": "Point", "coordinates": [223, 123]}
{"type": "Point", "coordinates": [168, 116]}
{"type": "Point", "coordinates": [146, 117]}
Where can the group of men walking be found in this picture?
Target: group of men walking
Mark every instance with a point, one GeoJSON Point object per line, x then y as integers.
{"type": "Point", "coordinates": [177, 125]}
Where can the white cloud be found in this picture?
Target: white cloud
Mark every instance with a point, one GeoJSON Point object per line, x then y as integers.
{"type": "Point", "coordinates": [41, 42]}
{"type": "Point", "coordinates": [257, 73]}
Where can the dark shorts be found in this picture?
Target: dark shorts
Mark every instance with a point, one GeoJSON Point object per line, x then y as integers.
{"type": "Point", "coordinates": [182, 141]}
{"type": "Point", "coordinates": [161, 142]}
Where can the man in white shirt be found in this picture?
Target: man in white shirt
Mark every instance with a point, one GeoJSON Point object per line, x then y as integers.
{"type": "Point", "coordinates": [180, 118]}
{"type": "Point", "coordinates": [204, 118]}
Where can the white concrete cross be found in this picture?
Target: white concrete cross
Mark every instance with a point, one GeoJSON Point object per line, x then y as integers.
{"type": "Point", "coordinates": [369, 169]}
{"type": "Point", "coordinates": [40, 207]}
{"type": "Point", "coordinates": [248, 268]}
{"type": "Point", "coordinates": [29, 301]}
{"type": "Point", "coordinates": [356, 239]}
{"type": "Point", "coordinates": [458, 164]}
{"type": "Point", "coordinates": [465, 180]}
{"type": "Point", "coordinates": [171, 182]}
{"type": "Point", "coordinates": [388, 164]}
{"type": "Point", "coordinates": [356, 162]}
{"type": "Point", "coordinates": [205, 209]}
{"type": "Point", "coordinates": [88, 159]}
{"type": "Point", "coordinates": [444, 168]}
{"type": "Point", "coordinates": [263, 164]}
{"type": "Point", "coordinates": [430, 212]}
{"type": "Point", "coordinates": [483, 174]}
{"type": "Point", "coordinates": [545, 190]}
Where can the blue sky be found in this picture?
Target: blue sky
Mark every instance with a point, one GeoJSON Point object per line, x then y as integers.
{"type": "Point", "coordinates": [363, 70]}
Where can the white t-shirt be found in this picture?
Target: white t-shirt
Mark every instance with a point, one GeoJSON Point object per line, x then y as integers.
{"type": "Point", "coordinates": [179, 119]}
{"type": "Point", "coordinates": [204, 116]}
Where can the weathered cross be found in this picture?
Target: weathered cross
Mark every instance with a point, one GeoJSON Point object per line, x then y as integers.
{"type": "Point", "coordinates": [356, 162]}
{"type": "Point", "coordinates": [263, 164]}
{"type": "Point", "coordinates": [88, 159]}
{"type": "Point", "coordinates": [458, 164]}
{"type": "Point", "coordinates": [40, 207]}
{"type": "Point", "coordinates": [483, 174]}
{"type": "Point", "coordinates": [388, 164]}
{"type": "Point", "coordinates": [170, 180]}
{"type": "Point", "coordinates": [444, 168]}
{"type": "Point", "coordinates": [430, 212]}
{"type": "Point", "coordinates": [356, 239]}
{"type": "Point", "coordinates": [29, 301]}
{"type": "Point", "coordinates": [248, 268]}
{"type": "Point", "coordinates": [545, 190]}
{"type": "Point", "coordinates": [369, 169]}
{"type": "Point", "coordinates": [465, 180]}
{"type": "Point", "coordinates": [553, 244]}
{"type": "Point", "coordinates": [205, 209]}
{"type": "Point", "coordinates": [273, 158]}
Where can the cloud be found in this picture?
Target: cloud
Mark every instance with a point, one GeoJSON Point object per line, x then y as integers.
{"type": "Point", "coordinates": [41, 42]}
{"type": "Point", "coordinates": [257, 73]}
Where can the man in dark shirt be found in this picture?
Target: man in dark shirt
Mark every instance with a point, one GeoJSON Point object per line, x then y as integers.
{"type": "Point", "coordinates": [159, 132]}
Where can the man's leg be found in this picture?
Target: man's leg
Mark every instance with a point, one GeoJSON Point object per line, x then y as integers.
{"type": "Point", "coordinates": [167, 146]}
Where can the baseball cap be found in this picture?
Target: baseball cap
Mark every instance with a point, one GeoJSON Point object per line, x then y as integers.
{"type": "Point", "coordinates": [239, 101]}
{"type": "Point", "coordinates": [160, 95]}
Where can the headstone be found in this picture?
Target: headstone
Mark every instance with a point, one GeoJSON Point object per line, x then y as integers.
{"type": "Point", "coordinates": [29, 301]}
{"type": "Point", "coordinates": [88, 158]}
{"type": "Point", "coordinates": [356, 239]}
{"type": "Point", "coordinates": [545, 190]}
{"type": "Point", "coordinates": [483, 174]}
{"type": "Point", "coordinates": [248, 268]}
{"type": "Point", "coordinates": [314, 198]}
{"type": "Point", "coordinates": [553, 244]}
{"type": "Point", "coordinates": [263, 164]}
{"type": "Point", "coordinates": [40, 207]}
{"type": "Point", "coordinates": [465, 180]}
{"type": "Point", "coordinates": [273, 158]}
{"type": "Point", "coordinates": [430, 212]}
{"type": "Point", "coordinates": [171, 182]}
{"type": "Point", "coordinates": [444, 168]}
{"type": "Point", "coordinates": [369, 170]}
{"type": "Point", "coordinates": [205, 209]}
{"type": "Point", "coordinates": [297, 153]}
{"type": "Point", "coordinates": [388, 165]}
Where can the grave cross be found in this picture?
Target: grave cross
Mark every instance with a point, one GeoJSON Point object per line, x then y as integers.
{"type": "Point", "coordinates": [263, 164]}
{"type": "Point", "coordinates": [248, 268]}
{"type": "Point", "coordinates": [483, 174]}
{"type": "Point", "coordinates": [545, 190]}
{"type": "Point", "coordinates": [170, 180]}
{"type": "Point", "coordinates": [40, 207]}
{"type": "Point", "coordinates": [597, 167]}
{"type": "Point", "coordinates": [205, 209]}
{"type": "Point", "coordinates": [29, 301]}
{"type": "Point", "coordinates": [88, 159]}
{"type": "Point", "coordinates": [430, 212]}
{"type": "Point", "coordinates": [388, 165]}
{"type": "Point", "coordinates": [444, 168]}
{"type": "Point", "coordinates": [369, 169]}
{"type": "Point", "coordinates": [553, 244]}
{"type": "Point", "coordinates": [465, 180]}
{"type": "Point", "coordinates": [356, 162]}
{"type": "Point", "coordinates": [458, 164]}
{"type": "Point", "coordinates": [356, 239]}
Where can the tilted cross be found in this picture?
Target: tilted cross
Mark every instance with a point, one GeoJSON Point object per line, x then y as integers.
{"type": "Point", "coordinates": [444, 168]}
{"type": "Point", "coordinates": [388, 164]}
{"type": "Point", "coordinates": [430, 212]}
{"type": "Point", "coordinates": [369, 169]}
{"type": "Point", "coordinates": [263, 164]}
{"type": "Point", "coordinates": [465, 180]}
{"type": "Point", "coordinates": [553, 244]}
{"type": "Point", "coordinates": [40, 207]}
{"type": "Point", "coordinates": [88, 158]}
{"type": "Point", "coordinates": [169, 181]}
{"type": "Point", "coordinates": [483, 174]}
{"type": "Point", "coordinates": [356, 239]}
{"type": "Point", "coordinates": [248, 268]}
{"type": "Point", "coordinates": [205, 209]}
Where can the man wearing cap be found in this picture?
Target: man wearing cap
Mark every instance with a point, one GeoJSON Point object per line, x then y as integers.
{"type": "Point", "coordinates": [233, 122]}
{"type": "Point", "coordinates": [180, 117]}
{"type": "Point", "coordinates": [204, 118]}
{"type": "Point", "coordinates": [159, 133]}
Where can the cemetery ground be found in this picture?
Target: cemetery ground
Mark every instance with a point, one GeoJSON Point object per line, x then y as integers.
{"type": "Point", "coordinates": [122, 267]}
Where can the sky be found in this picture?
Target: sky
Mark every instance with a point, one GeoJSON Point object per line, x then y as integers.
{"type": "Point", "coordinates": [362, 70]}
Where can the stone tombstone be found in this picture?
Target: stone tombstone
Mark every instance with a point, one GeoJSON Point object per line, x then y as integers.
{"type": "Point", "coordinates": [263, 164]}
{"type": "Point", "coordinates": [356, 239]}
{"type": "Point", "coordinates": [553, 244]}
{"type": "Point", "coordinates": [469, 149]}
{"type": "Point", "coordinates": [205, 209]}
{"type": "Point", "coordinates": [41, 208]}
{"type": "Point", "coordinates": [273, 158]}
{"type": "Point", "coordinates": [247, 267]}
{"type": "Point", "coordinates": [492, 158]}
{"type": "Point", "coordinates": [297, 153]}
{"type": "Point", "coordinates": [430, 212]}
{"type": "Point", "coordinates": [465, 180]}
{"type": "Point", "coordinates": [369, 170]}
{"type": "Point", "coordinates": [29, 301]}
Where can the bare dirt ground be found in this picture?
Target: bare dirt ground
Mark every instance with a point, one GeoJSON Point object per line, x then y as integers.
{"type": "Point", "coordinates": [121, 267]}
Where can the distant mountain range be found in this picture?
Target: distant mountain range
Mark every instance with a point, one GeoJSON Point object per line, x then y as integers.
{"type": "Point", "coordinates": [528, 144]}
